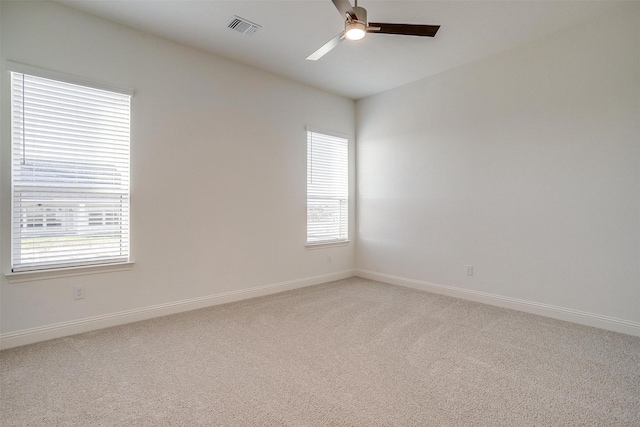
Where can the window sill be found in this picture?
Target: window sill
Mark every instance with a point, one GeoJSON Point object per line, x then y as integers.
{"type": "Point", "coordinates": [327, 244]}
{"type": "Point", "coordinates": [31, 276]}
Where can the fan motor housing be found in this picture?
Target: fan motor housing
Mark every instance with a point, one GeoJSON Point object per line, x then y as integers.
{"type": "Point", "coordinates": [361, 13]}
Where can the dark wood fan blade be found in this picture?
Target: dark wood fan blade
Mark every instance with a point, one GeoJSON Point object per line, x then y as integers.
{"type": "Point", "coordinates": [326, 47]}
{"type": "Point", "coordinates": [403, 29]}
{"type": "Point", "coordinates": [344, 7]}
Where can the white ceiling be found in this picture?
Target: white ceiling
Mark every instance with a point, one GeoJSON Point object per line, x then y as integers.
{"type": "Point", "coordinates": [291, 30]}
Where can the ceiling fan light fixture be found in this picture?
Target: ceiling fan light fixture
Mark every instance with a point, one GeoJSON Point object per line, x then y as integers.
{"type": "Point", "coordinates": [355, 30]}
{"type": "Point", "coordinates": [356, 27]}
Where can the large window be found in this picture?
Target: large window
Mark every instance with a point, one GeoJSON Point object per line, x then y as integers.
{"type": "Point", "coordinates": [70, 174]}
{"type": "Point", "coordinates": [327, 188]}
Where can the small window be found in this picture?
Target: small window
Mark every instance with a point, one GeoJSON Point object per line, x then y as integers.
{"type": "Point", "coordinates": [327, 188]}
{"type": "Point", "coordinates": [70, 174]}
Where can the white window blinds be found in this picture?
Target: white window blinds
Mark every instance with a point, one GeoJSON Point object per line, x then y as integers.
{"type": "Point", "coordinates": [70, 174]}
{"type": "Point", "coordinates": [327, 188]}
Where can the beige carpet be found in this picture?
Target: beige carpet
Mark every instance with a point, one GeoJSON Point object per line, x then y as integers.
{"type": "Point", "coordinates": [353, 353]}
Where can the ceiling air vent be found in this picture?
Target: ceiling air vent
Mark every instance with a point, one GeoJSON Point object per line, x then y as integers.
{"type": "Point", "coordinates": [243, 26]}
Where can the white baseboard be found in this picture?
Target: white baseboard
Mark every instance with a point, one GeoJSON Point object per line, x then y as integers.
{"type": "Point", "coordinates": [43, 333]}
{"type": "Point", "coordinates": [561, 313]}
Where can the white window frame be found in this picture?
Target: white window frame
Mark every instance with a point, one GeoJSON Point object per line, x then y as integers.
{"type": "Point", "coordinates": [68, 267]}
{"type": "Point", "coordinates": [336, 194]}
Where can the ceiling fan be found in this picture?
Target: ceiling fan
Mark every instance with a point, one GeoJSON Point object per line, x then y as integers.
{"type": "Point", "coordinates": [356, 27]}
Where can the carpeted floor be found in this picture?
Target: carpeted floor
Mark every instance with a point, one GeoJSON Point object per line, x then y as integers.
{"type": "Point", "coordinates": [353, 353]}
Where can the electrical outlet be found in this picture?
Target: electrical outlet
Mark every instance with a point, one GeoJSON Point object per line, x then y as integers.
{"type": "Point", "coordinates": [78, 292]}
{"type": "Point", "coordinates": [468, 270]}
{"type": "Point", "coordinates": [329, 260]}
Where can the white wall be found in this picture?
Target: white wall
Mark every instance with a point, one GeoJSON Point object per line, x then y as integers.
{"type": "Point", "coordinates": [218, 169]}
{"type": "Point", "coordinates": [525, 165]}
